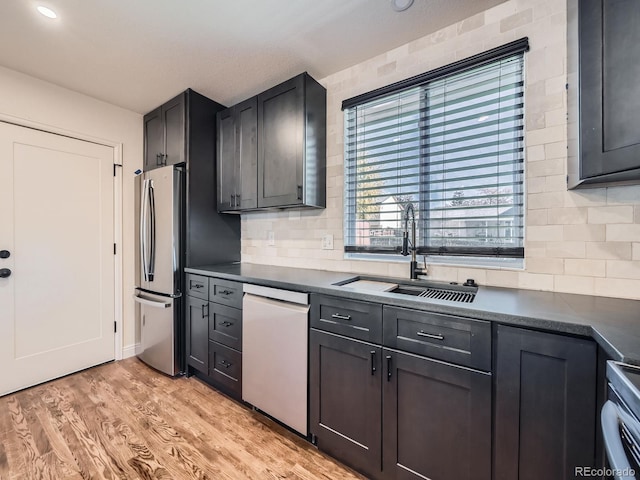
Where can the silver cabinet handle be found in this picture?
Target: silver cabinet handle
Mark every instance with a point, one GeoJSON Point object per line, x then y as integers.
{"type": "Point", "coordinates": [143, 230]}
{"type": "Point", "coordinates": [152, 249]}
{"type": "Point", "coordinates": [339, 316]}
{"type": "Point", "coordinates": [151, 303]}
{"type": "Point", "coordinates": [422, 333]}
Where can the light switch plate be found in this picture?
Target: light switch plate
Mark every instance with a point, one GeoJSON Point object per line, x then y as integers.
{"type": "Point", "coordinates": [271, 238]}
{"type": "Point", "coordinates": [327, 242]}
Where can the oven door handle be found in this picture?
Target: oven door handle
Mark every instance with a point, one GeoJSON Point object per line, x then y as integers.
{"type": "Point", "coordinates": [610, 418]}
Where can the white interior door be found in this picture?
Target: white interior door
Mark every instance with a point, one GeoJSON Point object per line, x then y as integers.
{"type": "Point", "coordinates": [56, 222]}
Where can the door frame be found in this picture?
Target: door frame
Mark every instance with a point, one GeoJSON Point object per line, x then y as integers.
{"type": "Point", "coordinates": [117, 211]}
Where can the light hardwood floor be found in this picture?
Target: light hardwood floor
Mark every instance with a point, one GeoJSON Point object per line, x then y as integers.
{"type": "Point", "coordinates": [123, 420]}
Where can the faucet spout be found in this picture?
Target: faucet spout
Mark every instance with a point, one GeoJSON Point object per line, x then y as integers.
{"type": "Point", "coordinates": [415, 270]}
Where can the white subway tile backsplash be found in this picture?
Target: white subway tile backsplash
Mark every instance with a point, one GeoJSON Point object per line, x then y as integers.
{"type": "Point", "coordinates": [546, 233]}
{"type": "Point", "coordinates": [516, 20]}
{"type": "Point", "coordinates": [574, 284]}
{"type": "Point", "coordinates": [535, 281]}
{"type": "Point", "coordinates": [584, 267]}
{"type": "Point", "coordinates": [623, 232]}
{"type": "Point", "coordinates": [604, 215]}
{"type": "Point", "coordinates": [545, 265]}
{"type": "Point", "coordinates": [567, 216]}
{"type": "Point", "coordinates": [609, 250]}
{"type": "Point", "coordinates": [586, 233]}
{"type": "Point", "coordinates": [623, 269]}
{"type": "Point", "coordinates": [565, 249]}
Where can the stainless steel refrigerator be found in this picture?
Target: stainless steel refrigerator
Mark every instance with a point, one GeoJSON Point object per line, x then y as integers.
{"type": "Point", "coordinates": [158, 289]}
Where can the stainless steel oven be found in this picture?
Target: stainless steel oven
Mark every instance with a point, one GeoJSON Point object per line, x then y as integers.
{"type": "Point", "coordinates": [620, 421]}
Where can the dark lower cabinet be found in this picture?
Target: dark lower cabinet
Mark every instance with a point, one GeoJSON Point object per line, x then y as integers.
{"type": "Point", "coordinates": [197, 333]}
{"type": "Point", "coordinates": [436, 420]}
{"type": "Point", "coordinates": [394, 415]}
{"type": "Point", "coordinates": [545, 405]}
{"type": "Point", "coordinates": [346, 400]}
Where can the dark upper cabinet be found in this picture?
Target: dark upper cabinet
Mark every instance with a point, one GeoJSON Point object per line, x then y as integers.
{"type": "Point", "coordinates": [436, 419]}
{"type": "Point", "coordinates": [545, 405]}
{"type": "Point", "coordinates": [238, 157]}
{"type": "Point", "coordinates": [272, 149]}
{"type": "Point", "coordinates": [183, 130]}
{"type": "Point", "coordinates": [153, 139]}
{"type": "Point", "coordinates": [292, 144]}
{"type": "Point", "coordinates": [345, 404]}
{"type": "Point", "coordinates": [604, 92]}
{"type": "Point", "coordinates": [164, 134]}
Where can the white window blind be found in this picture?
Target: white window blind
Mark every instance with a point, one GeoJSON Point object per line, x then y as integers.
{"type": "Point", "coordinates": [452, 146]}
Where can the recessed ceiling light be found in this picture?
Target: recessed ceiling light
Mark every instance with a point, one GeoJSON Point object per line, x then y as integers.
{"type": "Point", "coordinates": [401, 5]}
{"type": "Point", "coordinates": [483, 118]}
{"type": "Point", "coordinates": [47, 12]}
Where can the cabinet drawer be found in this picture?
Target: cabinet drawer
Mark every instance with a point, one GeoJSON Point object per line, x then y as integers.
{"type": "Point", "coordinates": [361, 320]}
{"type": "Point", "coordinates": [453, 339]}
{"type": "Point", "coordinates": [225, 325]}
{"type": "Point", "coordinates": [225, 367]}
{"type": "Point", "coordinates": [197, 286]}
{"type": "Point", "coordinates": [225, 292]}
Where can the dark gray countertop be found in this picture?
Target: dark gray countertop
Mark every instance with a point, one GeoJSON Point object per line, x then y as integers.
{"type": "Point", "coordinates": [614, 323]}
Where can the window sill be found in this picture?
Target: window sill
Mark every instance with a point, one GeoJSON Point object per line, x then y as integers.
{"type": "Point", "coordinates": [493, 263]}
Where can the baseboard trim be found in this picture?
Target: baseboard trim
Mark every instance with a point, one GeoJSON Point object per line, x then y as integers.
{"type": "Point", "coordinates": [130, 350]}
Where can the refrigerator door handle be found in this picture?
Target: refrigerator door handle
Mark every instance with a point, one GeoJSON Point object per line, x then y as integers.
{"type": "Point", "coordinates": [143, 229]}
{"type": "Point", "coordinates": [152, 303]}
{"type": "Point", "coordinates": [152, 249]}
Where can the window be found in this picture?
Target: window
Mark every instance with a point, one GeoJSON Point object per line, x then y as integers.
{"type": "Point", "coordinates": [451, 143]}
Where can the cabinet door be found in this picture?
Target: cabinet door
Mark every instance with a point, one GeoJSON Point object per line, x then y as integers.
{"type": "Point", "coordinates": [226, 160]}
{"type": "Point", "coordinates": [173, 117]}
{"type": "Point", "coordinates": [197, 323]}
{"type": "Point", "coordinates": [545, 405]}
{"type": "Point", "coordinates": [153, 140]}
{"type": "Point", "coordinates": [246, 115]}
{"type": "Point", "coordinates": [346, 400]}
{"type": "Point", "coordinates": [280, 150]}
{"type": "Point", "coordinates": [609, 89]}
{"type": "Point", "coordinates": [437, 419]}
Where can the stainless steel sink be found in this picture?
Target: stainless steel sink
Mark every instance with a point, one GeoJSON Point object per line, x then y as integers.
{"type": "Point", "coordinates": [451, 292]}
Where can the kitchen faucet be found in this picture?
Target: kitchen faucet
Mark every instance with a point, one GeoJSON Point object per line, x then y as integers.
{"type": "Point", "coordinates": [415, 270]}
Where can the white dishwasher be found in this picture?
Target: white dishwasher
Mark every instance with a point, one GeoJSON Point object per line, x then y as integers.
{"type": "Point", "coordinates": [275, 326]}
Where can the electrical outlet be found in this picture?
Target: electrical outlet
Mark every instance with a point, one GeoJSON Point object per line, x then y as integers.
{"type": "Point", "coordinates": [327, 242]}
{"type": "Point", "coordinates": [271, 238]}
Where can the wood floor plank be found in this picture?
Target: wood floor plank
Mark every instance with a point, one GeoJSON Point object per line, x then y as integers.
{"type": "Point", "coordinates": [123, 420]}
{"type": "Point", "coordinates": [159, 435]}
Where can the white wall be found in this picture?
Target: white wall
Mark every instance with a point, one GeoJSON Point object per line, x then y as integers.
{"type": "Point", "coordinates": [585, 241]}
{"type": "Point", "coordinates": [28, 99]}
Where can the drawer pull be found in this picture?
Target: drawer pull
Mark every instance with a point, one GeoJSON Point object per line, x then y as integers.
{"type": "Point", "coordinates": [226, 292]}
{"type": "Point", "coordinates": [226, 324]}
{"type": "Point", "coordinates": [422, 333]}
{"type": "Point", "coordinates": [197, 285]}
{"type": "Point", "coordinates": [373, 362]}
{"type": "Point", "coordinates": [339, 316]}
{"type": "Point", "coordinates": [225, 364]}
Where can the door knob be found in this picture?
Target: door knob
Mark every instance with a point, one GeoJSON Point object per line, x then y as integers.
{"type": "Point", "coordinates": [5, 254]}
{"type": "Point", "coordinates": [5, 272]}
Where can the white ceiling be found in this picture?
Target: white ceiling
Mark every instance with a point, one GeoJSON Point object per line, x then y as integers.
{"type": "Point", "coordinates": [139, 53]}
